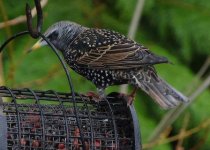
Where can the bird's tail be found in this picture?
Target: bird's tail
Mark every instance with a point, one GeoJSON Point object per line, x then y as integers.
{"type": "Point", "coordinates": [163, 94]}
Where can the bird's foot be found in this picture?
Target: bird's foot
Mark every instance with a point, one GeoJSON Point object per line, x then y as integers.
{"type": "Point", "coordinates": [93, 96]}
{"type": "Point", "coordinates": [129, 97]}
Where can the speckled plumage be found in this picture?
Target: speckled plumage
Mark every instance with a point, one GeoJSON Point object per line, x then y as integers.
{"type": "Point", "coordinates": [108, 58]}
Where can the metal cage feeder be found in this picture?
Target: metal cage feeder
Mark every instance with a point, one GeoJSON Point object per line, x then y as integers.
{"type": "Point", "coordinates": [27, 122]}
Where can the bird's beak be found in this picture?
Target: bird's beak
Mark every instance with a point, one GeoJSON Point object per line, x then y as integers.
{"type": "Point", "coordinates": [37, 45]}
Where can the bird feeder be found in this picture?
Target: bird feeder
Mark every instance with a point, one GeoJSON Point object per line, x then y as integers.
{"type": "Point", "coordinates": [28, 122]}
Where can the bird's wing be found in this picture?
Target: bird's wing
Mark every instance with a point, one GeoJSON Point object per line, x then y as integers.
{"type": "Point", "coordinates": [100, 48]}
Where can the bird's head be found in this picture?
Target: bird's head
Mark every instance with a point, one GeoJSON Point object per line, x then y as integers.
{"type": "Point", "coordinates": [59, 34]}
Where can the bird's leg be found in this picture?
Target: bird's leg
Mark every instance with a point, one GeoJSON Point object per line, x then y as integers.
{"type": "Point", "coordinates": [96, 96]}
{"type": "Point", "coordinates": [130, 97]}
{"type": "Point", "coordinates": [92, 95]}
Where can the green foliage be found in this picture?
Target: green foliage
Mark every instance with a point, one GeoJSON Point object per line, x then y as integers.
{"type": "Point", "coordinates": [181, 24]}
{"type": "Point", "coordinates": [125, 9]}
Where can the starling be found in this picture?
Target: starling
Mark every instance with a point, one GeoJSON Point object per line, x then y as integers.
{"type": "Point", "coordinates": [108, 58]}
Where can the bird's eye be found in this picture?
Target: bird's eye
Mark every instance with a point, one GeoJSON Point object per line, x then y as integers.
{"type": "Point", "coordinates": [53, 35]}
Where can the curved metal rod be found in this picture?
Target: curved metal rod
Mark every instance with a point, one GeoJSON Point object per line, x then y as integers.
{"type": "Point", "coordinates": [41, 114]}
{"type": "Point", "coordinates": [12, 38]}
{"type": "Point", "coordinates": [70, 85]}
{"type": "Point", "coordinates": [39, 15]}
{"type": "Point", "coordinates": [65, 117]}
{"type": "Point", "coordinates": [90, 121]}
{"type": "Point", "coordinates": [136, 125]}
{"type": "Point", "coordinates": [114, 124]}
{"type": "Point", "coordinates": [34, 32]}
{"type": "Point", "coordinates": [18, 114]}
{"type": "Point", "coordinates": [66, 71]}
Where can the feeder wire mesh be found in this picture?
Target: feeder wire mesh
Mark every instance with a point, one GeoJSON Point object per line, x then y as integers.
{"type": "Point", "coordinates": [44, 126]}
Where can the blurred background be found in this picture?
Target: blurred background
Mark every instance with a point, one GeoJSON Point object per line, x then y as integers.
{"type": "Point", "coordinates": [177, 29]}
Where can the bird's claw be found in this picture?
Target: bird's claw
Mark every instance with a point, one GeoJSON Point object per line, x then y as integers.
{"type": "Point", "coordinates": [129, 98]}
{"type": "Point", "coordinates": [93, 96]}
